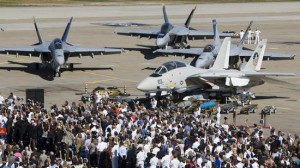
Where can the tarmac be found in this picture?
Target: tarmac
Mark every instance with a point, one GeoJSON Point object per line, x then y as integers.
{"type": "Point", "coordinates": [278, 22]}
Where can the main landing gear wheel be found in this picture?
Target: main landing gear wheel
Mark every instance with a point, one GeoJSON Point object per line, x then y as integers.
{"type": "Point", "coordinates": [56, 74]}
{"type": "Point", "coordinates": [71, 67]}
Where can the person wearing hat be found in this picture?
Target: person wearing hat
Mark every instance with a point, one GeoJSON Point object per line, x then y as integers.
{"type": "Point", "coordinates": [242, 34]}
{"type": "Point", "coordinates": [257, 33]}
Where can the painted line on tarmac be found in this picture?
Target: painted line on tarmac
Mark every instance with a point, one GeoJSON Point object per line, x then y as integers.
{"type": "Point", "coordinates": [116, 78]}
{"type": "Point", "coordinates": [100, 81]}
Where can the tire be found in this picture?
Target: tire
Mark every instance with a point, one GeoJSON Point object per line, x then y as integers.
{"type": "Point", "coordinates": [71, 67]}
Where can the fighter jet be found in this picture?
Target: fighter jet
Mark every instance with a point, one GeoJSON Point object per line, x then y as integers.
{"type": "Point", "coordinates": [179, 77]}
{"type": "Point", "coordinates": [204, 57]}
{"type": "Point", "coordinates": [57, 52]}
{"type": "Point", "coordinates": [170, 35]}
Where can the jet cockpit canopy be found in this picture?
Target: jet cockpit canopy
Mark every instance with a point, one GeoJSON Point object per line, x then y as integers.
{"type": "Point", "coordinates": [57, 43]}
{"type": "Point", "coordinates": [209, 48]}
{"type": "Point", "coordinates": [168, 66]}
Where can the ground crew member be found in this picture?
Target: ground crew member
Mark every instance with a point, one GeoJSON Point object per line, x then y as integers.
{"type": "Point", "coordinates": [249, 36]}
{"type": "Point", "coordinates": [242, 34]}
{"type": "Point", "coordinates": [257, 39]}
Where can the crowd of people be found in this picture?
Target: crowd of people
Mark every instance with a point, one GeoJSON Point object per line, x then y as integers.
{"type": "Point", "coordinates": [110, 133]}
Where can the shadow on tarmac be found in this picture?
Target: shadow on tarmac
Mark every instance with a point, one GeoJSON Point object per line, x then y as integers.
{"type": "Point", "coordinates": [45, 73]}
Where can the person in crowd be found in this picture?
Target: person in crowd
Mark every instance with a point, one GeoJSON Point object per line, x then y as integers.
{"type": "Point", "coordinates": [96, 135]}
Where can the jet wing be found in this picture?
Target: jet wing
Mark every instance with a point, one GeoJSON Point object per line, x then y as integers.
{"type": "Point", "coordinates": [196, 35]}
{"type": "Point", "coordinates": [150, 33]}
{"type": "Point", "coordinates": [34, 50]}
{"type": "Point", "coordinates": [237, 74]}
{"type": "Point", "coordinates": [269, 55]}
{"type": "Point", "coordinates": [191, 51]}
{"type": "Point", "coordinates": [75, 51]}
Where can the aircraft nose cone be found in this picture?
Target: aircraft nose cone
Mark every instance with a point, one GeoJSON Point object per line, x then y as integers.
{"type": "Point", "coordinates": [145, 85]}
{"type": "Point", "coordinates": [60, 60]}
{"type": "Point", "coordinates": [160, 42]}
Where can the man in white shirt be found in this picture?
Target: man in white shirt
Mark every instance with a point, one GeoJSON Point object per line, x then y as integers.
{"type": "Point", "coordinates": [1, 100]}
{"type": "Point", "coordinates": [197, 111]}
{"type": "Point", "coordinates": [240, 164]}
{"type": "Point", "coordinates": [123, 151]}
{"type": "Point", "coordinates": [165, 161]}
{"type": "Point", "coordinates": [242, 33]}
{"type": "Point", "coordinates": [140, 158]}
{"type": "Point", "coordinates": [175, 163]}
{"type": "Point", "coordinates": [218, 115]}
{"type": "Point", "coordinates": [254, 163]}
{"type": "Point", "coordinates": [102, 146]}
{"type": "Point", "coordinates": [249, 36]}
{"type": "Point", "coordinates": [257, 33]}
{"type": "Point", "coordinates": [153, 162]}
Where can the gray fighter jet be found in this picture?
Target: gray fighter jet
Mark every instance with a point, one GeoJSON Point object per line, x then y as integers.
{"type": "Point", "coordinates": [204, 57]}
{"type": "Point", "coordinates": [173, 36]}
{"type": "Point", "coordinates": [179, 77]}
{"type": "Point", "coordinates": [57, 52]}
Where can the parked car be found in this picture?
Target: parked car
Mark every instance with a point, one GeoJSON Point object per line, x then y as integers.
{"type": "Point", "coordinates": [228, 108]}
{"type": "Point", "coordinates": [268, 110]}
{"type": "Point", "coordinates": [248, 109]}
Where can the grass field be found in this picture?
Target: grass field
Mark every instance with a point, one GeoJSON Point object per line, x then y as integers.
{"type": "Point", "coordinates": [4, 3]}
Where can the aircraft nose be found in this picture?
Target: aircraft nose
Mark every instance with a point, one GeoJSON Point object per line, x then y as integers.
{"type": "Point", "coordinates": [59, 57]}
{"type": "Point", "coordinates": [146, 85]}
{"type": "Point", "coordinates": [160, 42]}
{"type": "Point", "coordinates": [60, 60]}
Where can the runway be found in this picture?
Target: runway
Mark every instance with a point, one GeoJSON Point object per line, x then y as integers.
{"type": "Point", "coordinates": [279, 23]}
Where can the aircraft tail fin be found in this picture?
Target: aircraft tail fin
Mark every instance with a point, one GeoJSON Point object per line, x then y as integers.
{"type": "Point", "coordinates": [66, 32]}
{"type": "Point", "coordinates": [256, 58]}
{"type": "Point", "coordinates": [241, 43]}
{"type": "Point", "coordinates": [165, 14]}
{"type": "Point", "coordinates": [37, 31]}
{"type": "Point", "coordinates": [188, 20]}
{"type": "Point", "coordinates": [222, 60]}
{"type": "Point", "coordinates": [217, 39]}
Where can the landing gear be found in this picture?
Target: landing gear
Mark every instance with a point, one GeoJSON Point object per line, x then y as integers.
{"type": "Point", "coordinates": [71, 67]}
{"type": "Point", "coordinates": [56, 74]}
{"type": "Point", "coordinates": [37, 66]}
